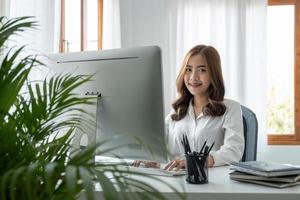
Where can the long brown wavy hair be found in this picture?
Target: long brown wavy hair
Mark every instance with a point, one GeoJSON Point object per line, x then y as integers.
{"type": "Point", "coordinates": [216, 90]}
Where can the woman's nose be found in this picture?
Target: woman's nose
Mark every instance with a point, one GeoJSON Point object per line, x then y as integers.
{"type": "Point", "coordinates": [194, 76]}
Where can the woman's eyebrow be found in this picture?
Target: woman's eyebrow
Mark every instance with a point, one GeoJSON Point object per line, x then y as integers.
{"type": "Point", "coordinates": [197, 66]}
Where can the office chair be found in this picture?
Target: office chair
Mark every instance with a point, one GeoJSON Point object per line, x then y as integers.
{"type": "Point", "coordinates": [250, 134]}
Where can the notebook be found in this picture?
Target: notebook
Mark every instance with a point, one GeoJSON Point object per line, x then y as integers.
{"type": "Point", "coordinates": [268, 183]}
{"type": "Point", "coordinates": [284, 179]}
{"type": "Point", "coordinates": [125, 165]}
{"type": "Point", "coordinates": [267, 169]}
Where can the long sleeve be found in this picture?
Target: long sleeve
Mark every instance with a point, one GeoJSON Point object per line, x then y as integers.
{"type": "Point", "coordinates": [233, 147]}
{"type": "Point", "coordinates": [170, 139]}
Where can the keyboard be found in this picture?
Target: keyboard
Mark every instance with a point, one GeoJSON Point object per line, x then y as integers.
{"type": "Point", "coordinates": [156, 171]}
{"type": "Point", "coordinates": [125, 164]}
{"type": "Point", "coordinates": [105, 160]}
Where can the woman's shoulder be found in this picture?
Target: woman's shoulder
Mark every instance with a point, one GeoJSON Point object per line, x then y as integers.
{"type": "Point", "coordinates": [168, 118]}
{"type": "Point", "coordinates": [229, 103]}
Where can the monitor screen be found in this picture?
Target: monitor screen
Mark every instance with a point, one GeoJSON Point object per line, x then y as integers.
{"type": "Point", "coordinates": [129, 107]}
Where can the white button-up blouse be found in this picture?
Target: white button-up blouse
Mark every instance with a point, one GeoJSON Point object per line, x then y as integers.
{"type": "Point", "coordinates": [226, 131]}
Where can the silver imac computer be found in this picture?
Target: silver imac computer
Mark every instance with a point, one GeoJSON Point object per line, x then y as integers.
{"type": "Point", "coordinates": [129, 108]}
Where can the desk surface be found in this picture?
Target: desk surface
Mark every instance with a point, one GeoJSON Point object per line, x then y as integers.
{"type": "Point", "coordinates": [220, 186]}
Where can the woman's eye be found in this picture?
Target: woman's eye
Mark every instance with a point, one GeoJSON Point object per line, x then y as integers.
{"type": "Point", "coordinates": [202, 70]}
{"type": "Point", "coordinates": [188, 69]}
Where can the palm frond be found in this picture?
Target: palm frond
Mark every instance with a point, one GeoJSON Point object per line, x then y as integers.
{"type": "Point", "coordinates": [10, 27]}
{"type": "Point", "coordinates": [13, 75]}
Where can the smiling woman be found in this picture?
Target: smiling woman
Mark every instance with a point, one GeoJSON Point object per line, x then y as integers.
{"type": "Point", "coordinates": [202, 113]}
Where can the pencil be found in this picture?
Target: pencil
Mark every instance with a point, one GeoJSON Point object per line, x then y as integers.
{"type": "Point", "coordinates": [210, 147]}
{"type": "Point", "coordinates": [203, 147]}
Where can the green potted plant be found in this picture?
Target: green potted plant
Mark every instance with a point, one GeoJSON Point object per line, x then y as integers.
{"type": "Point", "coordinates": [35, 160]}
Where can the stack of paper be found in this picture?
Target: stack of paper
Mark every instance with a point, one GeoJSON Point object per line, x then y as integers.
{"type": "Point", "coordinates": [266, 173]}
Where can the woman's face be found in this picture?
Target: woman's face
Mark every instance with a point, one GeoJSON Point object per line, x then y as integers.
{"type": "Point", "coordinates": [197, 76]}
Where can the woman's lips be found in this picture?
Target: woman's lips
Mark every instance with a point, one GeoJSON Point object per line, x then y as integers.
{"type": "Point", "coordinates": [195, 84]}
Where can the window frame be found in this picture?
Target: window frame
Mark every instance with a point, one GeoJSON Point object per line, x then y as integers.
{"type": "Point", "coordinates": [82, 25]}
{"type": "Point", "coordinates": [292, 139]}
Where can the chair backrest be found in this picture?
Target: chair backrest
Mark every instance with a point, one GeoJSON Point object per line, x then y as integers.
{"type": "Point", "coordinates": [250, 134]}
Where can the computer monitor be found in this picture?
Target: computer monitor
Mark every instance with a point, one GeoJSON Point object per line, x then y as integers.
{"type": "Point", "coordinates": [129, 112]}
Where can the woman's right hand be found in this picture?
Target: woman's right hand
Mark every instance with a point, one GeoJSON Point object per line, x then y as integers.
{"type": "Point", "coordinates": [176, 164]}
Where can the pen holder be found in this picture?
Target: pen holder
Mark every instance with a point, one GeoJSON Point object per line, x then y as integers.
{"type": "Point", "coordinates": [197, 169]}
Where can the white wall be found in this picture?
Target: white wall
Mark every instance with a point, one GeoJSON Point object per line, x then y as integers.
{"type": "Point", "coordinates": [142, 23]}
{"type": "Point", "coordinates": [281, 153]}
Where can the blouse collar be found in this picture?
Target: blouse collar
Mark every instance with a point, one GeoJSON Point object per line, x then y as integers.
{"type": "Point", "coordinates": [191, 111]}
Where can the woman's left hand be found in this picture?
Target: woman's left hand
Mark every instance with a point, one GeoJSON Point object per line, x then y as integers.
{"type": "Point", "coordinates": [177, 164]}
{"type": "Point", "coordinates": [210, 161]}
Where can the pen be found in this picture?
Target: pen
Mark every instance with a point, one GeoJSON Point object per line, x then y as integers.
{"type": "Point", "coordinates": [186, 144]}
{"type": "Point", "coordinates": [193, 164]}
{"type": "Point", "coordinates": [203, 146]}
{"type": "Point", "coordinates": [201, 166]}
{"type": "Point", "coordinates": [210, 148]}
{"type": "Point", "coordinates": [206, 151]}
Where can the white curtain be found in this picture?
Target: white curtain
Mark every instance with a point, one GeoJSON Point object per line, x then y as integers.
{"type": "Point", "coordinates": [44, 39]}
{"type": "Point", "coordinates": [4, 7]}
{"type": "Point", "coordinates": [46, 12]}
{"type": "Point", "coordinates": [111, 24]}
{"type": "Point", "coordinates": [237, 29]}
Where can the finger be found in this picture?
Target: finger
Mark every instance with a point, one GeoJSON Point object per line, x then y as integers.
{"type": "Point", "coordinates": [154, 165]}
{"type": "Point", "coordinates": [173, 165]}
{"type": "Point", "coordinates": [177, 167]}
{"type": "Point", "coordinates": [168, 165]}
{"type": "Point", "coordinates": [136, 163]}
{"type": "Point", "coordinates": [147, 164]}
{"type": "Point", "coordinates": [180, 166]}
{"type": "Point", "coordinates": [133, 164]}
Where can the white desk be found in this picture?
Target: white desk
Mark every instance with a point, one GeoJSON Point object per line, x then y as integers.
{"type": "Point", "coordinates": [220, 186]}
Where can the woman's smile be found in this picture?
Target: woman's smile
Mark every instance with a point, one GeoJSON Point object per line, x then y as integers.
{"type": "Point", "coordinates": [194, 85]}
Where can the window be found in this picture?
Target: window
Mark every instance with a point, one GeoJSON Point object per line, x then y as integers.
{"type": "Point", "coordinates": [81, 25]}
{"type": "Point", "coordinates": [283, 72]}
